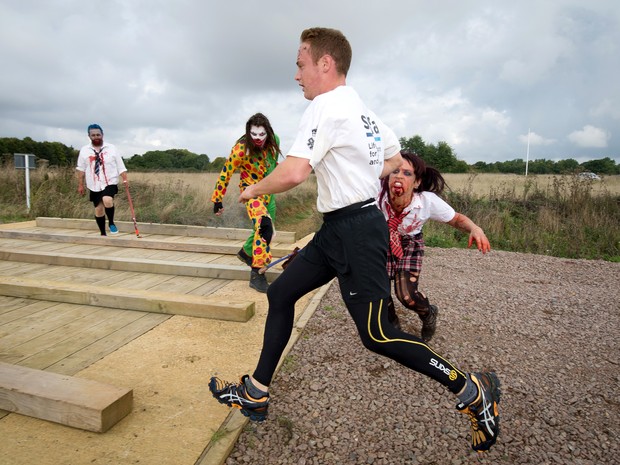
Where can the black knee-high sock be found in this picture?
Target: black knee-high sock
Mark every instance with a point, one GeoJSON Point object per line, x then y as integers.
{"type": "Point", "coordinates": [101, 223]}
{"type": "Point", "coordinates": [110, 214]}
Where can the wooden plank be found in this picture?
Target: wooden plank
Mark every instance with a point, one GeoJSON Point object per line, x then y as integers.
{"type": "Point", "coordinates": [278, 249]}
{"type": "Point", "coordinates": [76, 402]}
{"type": "Point", "coordinates": [55, 347]}
{"type": "Point", "coordinates": [128, 299]}
{"type": "Point", "coordinates": [209, 287]}
{"type": "Point", "coordinates": [23, 311]}
{"type": "Point", "coordinates": [166, 229]}
{"type": "Point", "coordinates": [16, 268]}
{"type": "Point", "coordinates": [79, 318]}
{"type": "Point", "coordinates": [20, 225]}
{"type": "Point", "coordinates": [87, 355]}
{"type": "Point", "coordinates": [211, 270]}
{"type": "Point", "coordinates": [37, 324]}
{"type": "Point", "coordinates": [181, 284]}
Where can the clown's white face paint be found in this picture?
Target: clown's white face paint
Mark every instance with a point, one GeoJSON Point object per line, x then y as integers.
{"type": "Point", "coordinates": [258, 135]}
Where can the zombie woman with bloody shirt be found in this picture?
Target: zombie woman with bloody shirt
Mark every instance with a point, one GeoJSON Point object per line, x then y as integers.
{"type": "Point", "coordinates": [409, 197]}
{"type": "Point", "coordinates": [254, 155]}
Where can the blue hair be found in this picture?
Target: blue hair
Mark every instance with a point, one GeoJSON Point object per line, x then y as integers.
{"type": "Point", "coordinates": [94, 126]}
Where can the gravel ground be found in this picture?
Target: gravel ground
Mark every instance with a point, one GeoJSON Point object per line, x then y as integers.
{"type": "Point", "coordinates": [548, 326]}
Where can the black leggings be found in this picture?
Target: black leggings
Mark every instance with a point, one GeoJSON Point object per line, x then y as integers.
{"type": "Point", "coordinates": [371, 320]}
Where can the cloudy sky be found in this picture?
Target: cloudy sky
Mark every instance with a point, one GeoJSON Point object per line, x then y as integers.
{"type": "Point", "coordinates": [159, 74]}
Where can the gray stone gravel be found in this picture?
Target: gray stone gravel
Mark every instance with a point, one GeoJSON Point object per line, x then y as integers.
{"type": "Point", "coordinates": [548, 326]}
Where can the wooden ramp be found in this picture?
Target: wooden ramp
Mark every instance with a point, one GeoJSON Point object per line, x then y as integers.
{"type": "Point", "coordinates": [69, 297]}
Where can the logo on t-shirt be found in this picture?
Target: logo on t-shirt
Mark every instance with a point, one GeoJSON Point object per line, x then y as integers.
{"type": "Point", "coordinates": [371, 128]}
{"type": "Point", "coordinates": [374, 144]}
{"type": "Point", "coordinates": [311, 139]}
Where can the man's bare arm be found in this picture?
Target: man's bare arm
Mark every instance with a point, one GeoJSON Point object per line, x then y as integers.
{"type": "Point", "coordinates": [80, 175]}
{"type": "Point", "coordinates": [288, 174]}
{"type": "Point", "coordinates": [390, 164]}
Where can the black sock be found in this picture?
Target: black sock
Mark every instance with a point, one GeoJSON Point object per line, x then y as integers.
{"type": "Point", "coordinates": [101, 223]}
{"type": "Point", "coordinates": [469, 393]}
{"type": "Point", "coordinates": [110, 214]}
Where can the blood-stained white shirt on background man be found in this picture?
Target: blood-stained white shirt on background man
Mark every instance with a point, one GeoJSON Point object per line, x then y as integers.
{"type": "Point", "coordinates": [112, 166]}
{"type": "Point", "coordinates": [346, 144]}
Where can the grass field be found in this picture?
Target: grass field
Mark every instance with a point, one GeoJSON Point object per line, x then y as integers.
{"type": "Point", "coordinates": [553, 215]}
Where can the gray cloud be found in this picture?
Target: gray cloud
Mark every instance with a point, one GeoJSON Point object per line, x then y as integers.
{"type": "Point", "coordinates": [188, 74]}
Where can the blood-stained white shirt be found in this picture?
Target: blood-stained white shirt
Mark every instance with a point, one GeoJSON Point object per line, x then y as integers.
{"type": "Point", "coordinates": [112, 166]}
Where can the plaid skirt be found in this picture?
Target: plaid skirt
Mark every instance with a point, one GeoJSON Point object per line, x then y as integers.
{"type": "Point", "coordinates": [413, 251]}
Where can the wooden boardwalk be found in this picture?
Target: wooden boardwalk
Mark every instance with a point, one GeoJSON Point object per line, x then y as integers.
{"type": "Point", "coordinates": [69, 297]}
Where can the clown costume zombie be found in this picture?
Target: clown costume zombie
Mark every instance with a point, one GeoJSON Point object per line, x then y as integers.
{"type": "Point", "coordinates": [254, 155]}
{"type": "Point", "coordinates": [100, 165]}
{"type": "Point", "coordinates": [409, 198]}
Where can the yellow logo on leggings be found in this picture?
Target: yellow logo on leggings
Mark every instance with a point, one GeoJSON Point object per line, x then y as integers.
{"type": "Point", "coordinates": [452, 375]}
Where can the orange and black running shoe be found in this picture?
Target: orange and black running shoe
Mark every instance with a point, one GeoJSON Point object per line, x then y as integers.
{"type": "Point", "coordinates": [235, 395]}
{"type": "Point", "coordinates": [483, 412]}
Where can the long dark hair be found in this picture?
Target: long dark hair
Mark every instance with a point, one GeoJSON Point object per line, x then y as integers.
{"type": "Point", "coordinates": [270, 143]}
{"type": "Point", "coordinates": [430, 178]}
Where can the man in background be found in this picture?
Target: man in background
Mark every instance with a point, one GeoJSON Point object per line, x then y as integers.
{"type": "Point", "coordinates": [100, 164]}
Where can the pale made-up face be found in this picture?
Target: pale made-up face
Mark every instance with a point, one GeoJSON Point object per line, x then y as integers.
{"type": "Point", "coordinates": [403, 181]}
{"type": "Point", "coordinates": [96, 137]}
{"type": "Point", "coordinates": [308, 74]}
{"type": "Point", "coordinates": [258, 135]}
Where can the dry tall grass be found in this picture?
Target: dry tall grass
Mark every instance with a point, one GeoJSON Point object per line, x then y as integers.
{"type": "Point", "coordinates": [483, 185]}
{"type": "Point", "coordinates": [554, 215]}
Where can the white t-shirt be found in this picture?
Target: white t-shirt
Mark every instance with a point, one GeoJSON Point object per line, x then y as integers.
{"type": "Point", "coordinates": [423, 207]}
{"type": "Point", "coordinates": [346, 144]}
{"type": "Point", "coordinates": [111, 167]}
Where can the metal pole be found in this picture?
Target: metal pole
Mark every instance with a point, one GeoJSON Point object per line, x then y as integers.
{"type": "Point", "coordinates": [527, 156]}
{"type": "Point", "coordinates": [26, 164]}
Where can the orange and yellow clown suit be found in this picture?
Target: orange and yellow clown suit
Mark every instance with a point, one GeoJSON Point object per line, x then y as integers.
{"type": "Point", "coordinates": [251, 170]}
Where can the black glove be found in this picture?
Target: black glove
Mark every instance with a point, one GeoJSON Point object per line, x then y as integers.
{"type": "Point", "coordinates": [266, 229]}
{"type": "Point", "coordinates": [217, 206]}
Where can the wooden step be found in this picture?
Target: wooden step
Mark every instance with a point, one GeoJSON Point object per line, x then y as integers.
{"type": "Point", "coordinates": [71, 401]}
{"type": "Point", "coordinates": [144, 242]}
{"type": "Point", "coordinates": [198, 270]}
{"type": "Point", "coordinates": [128, 299]}
{"type": "Point", "coordinates": [239, 234]}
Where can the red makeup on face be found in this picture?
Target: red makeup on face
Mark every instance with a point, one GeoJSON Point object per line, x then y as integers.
{"type": "Point", "coordinates": [258, 135]}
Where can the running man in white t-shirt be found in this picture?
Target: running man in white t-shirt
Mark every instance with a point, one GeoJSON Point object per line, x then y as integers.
{"type": "Point", "coordinates": [409, 197]}
{"type": "Point", "coordinates": [349, 149]}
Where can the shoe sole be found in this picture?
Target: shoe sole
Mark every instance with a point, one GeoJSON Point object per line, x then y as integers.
{"type": "Point", "coordinates": [251, 414]}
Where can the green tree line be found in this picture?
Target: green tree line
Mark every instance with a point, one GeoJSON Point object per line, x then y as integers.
{"type": "Point", "coordinates": [440, 156]}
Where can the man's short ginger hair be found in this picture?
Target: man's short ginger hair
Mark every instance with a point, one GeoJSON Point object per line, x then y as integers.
{"type": "Point", "coordinates": [332, 42]}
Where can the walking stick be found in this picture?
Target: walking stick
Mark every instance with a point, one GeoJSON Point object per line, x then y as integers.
{"type": "Point", "coordinates": [284, 265]}
{"type": "Point", "coordinates": [133, 214]}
